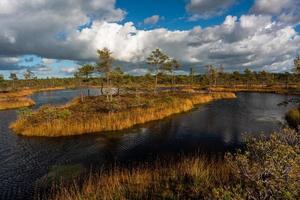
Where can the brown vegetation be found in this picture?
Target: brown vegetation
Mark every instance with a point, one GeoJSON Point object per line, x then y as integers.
{"type": "Point", "coordinates": [279, 89]}
{"type": "Point", "coordinates": [96, 114]}
{"type": "Point", "coordinates": [19, 98]}
{"type": "Point", "coordinates": [268, 169]}
{"type": "Point", "coordinates": [16, 102]}
{"type": "Point", "coordinates": [186, 178]}
{"type": "Point", "coordinates": [293, 117]}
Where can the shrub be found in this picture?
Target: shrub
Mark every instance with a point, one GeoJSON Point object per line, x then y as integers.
{"type": "Point", "coordinates": [269, 169]}
{"type": "Point", "coordinates": [293, 117]}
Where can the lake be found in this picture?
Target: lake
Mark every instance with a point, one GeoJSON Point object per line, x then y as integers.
{"type": "Point", "coordinates": [210, 129]}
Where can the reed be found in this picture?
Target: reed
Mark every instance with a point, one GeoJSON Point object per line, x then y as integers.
{"type": "Point", "coordinates": [16, 102]}
{"type": "Point", "coordinates": [268, 168]}
{"type": "Point", "coordinates": [19, 98]}
{"type": "Point", "coordinates": [96, 115]}
{"type": "Point", "coordinates": [187, 178]}
{"type": "Point", "coordinates": [278, 89]}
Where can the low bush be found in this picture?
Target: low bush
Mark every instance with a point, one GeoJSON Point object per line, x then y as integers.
{"type": "Point", "coordinates": [293, 117]}
{"type": "Point", "coordinates": [269, 168]}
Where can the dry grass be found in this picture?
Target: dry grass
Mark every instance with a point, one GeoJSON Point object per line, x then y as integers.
{"type": "Point", "coordinates": [17, 93]}
{"type": "Point", "coordinates": [19, 98]}
{"type": "Point", "coordinates": [186, 178]}
{"type": "Point", "coordinates": [95, 115]}
{"type": "Point", "coordinates": [269, 168]}
{"type": "Point", "coordinates": [280, 89]}
{"type": "Point", "coordinates": [16, 102]}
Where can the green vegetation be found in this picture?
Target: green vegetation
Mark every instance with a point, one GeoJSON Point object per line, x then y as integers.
{"type": "Point", "coordinates": [268, 169]}
{"type": "Point", "coordinates": [157, 59]}
{"type": "Point", "coordinates": [103, 75]}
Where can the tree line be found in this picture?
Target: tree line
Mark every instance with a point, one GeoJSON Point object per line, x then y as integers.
{"type": "Point", "coordinates": [162, 70]}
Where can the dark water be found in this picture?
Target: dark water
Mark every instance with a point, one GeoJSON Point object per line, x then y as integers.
{"type": "Point", "coordinates": [210, 129]}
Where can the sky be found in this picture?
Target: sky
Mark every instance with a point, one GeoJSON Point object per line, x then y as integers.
{"type": "Point", "coordinates": [55, 37]}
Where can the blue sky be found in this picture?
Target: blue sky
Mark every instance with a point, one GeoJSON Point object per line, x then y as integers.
{"type": "Point", "coordinates": [255, 34]}
{"type": "Point", "coordinates": [174, 13]}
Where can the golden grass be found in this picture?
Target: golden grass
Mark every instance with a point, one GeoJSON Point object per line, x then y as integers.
{"type": "Point", "coordinates": [189, 178]}
{"type": "Point", "coordinates": [280, 89]}
{"type": "Point", "coordinates": [17, 93]}
{"type": "Point", "coordinates": [18, 99]}
{"type": "Point", "coordinates": [50, 89]}
{"type": "Point", "coordinates": [92, 122]}
{"type": "Point", "coordinates": [16, 102]}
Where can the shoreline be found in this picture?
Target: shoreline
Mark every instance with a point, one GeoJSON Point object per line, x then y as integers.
{"type": "Point", "coordinates": [20, 98]}
{"type": "Point", "coordinates": [67, 120]}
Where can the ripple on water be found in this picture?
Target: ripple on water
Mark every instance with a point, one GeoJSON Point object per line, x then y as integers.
{"type": "Point", "coordinates": [213, 128]}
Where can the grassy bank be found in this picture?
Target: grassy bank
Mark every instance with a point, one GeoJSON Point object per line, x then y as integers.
{"type": "Point", "coordinates": [95, 114]}
{"type": "Point", "coordinates": [15, 99]}
{"type": "Point", "coordinates": [278, 89]}
{"type": "Point", "coordinates": [268, 169]}
{"type": "Point", "coordinates": [16, 102]}
{"type": "Point", "coordinates": [19, 98]}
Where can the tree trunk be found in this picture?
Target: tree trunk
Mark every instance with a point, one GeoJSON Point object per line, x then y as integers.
{"type": "Point", "coordinates": [173, 81]}
{"type": "Point", "coordinates": [101, 89]}
{"type": "Point", "coordinates": [81, 92]}
{"type": "Point", "coordinates": [156, 79]}
{"type": "Point", "coordinates": [107, 87]}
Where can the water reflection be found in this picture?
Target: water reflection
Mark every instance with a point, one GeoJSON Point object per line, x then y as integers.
{"type": "Point", "coordinates": [211, 129]}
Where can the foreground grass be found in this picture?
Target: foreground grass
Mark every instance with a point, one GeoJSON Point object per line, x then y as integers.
{"type": "Point", "coordinates": [268, 169]}
{"type": "Point", "coordinates": [189, 178]}
{"type": "Point", "coordinates": [95, 114]}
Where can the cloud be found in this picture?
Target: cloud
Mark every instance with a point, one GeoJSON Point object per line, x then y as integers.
{"type": "Point", "coordinates": [10, 63]}
{"type": "Point", "coordinates": [69, 70]}
{"type": "Point", "coordinates": [31, 27]}
{"type": "Point", "coordinates": [47, 61]}
{"type": "Point", "coordinates": [30, 59]}
{"type": "Point", "coordinates": [37, 26]}
{"type": "Point", "coordinates": [286, 11]}
{"type": "Point", "coordinates": [152, 20]}
{"type": "Point", "coordinates": [207, 8]}
{"type": "Point", "coordinates": [253, 41]}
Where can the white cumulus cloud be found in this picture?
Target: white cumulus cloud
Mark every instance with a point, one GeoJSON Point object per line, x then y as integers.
{"type": "Point", "coordinates": [152, 20]}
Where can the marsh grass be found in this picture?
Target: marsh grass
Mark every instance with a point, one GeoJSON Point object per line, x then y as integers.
{"type": "Point", "coordinates": [279, 89]}
{"type": "Point", "coordinates": [19, 98]}
{"type": "Point", "coordinates": [95, 114]}
{"type": "Point", "coordinates": [269, 168]}
{"type": "Point", "coordinates": [15, 102]}
{"type": "Point", "coordinates": [186, 178]}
